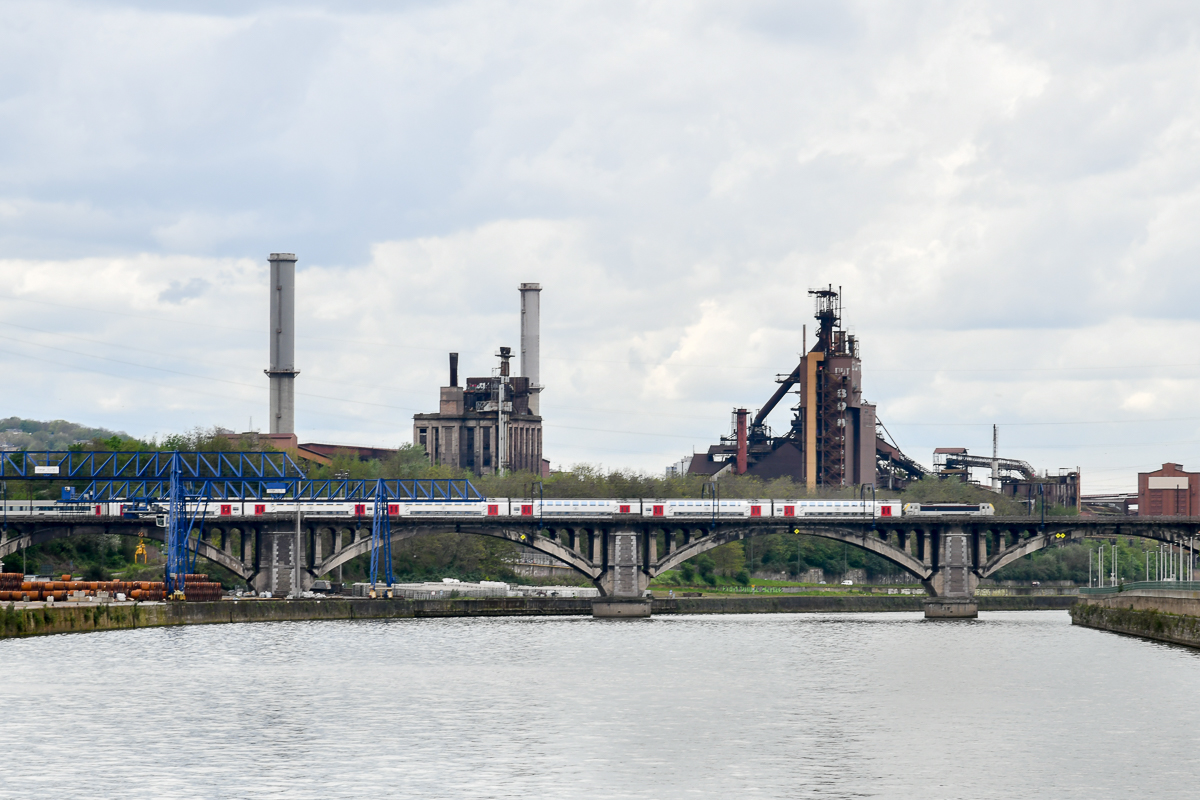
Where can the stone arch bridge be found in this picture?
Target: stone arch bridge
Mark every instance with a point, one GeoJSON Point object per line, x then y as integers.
{"type": "Point", "coordinates": [949, 555]}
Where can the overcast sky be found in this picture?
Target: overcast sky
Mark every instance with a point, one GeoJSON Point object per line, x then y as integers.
{"type": "Point", "coordinates": [1007, 194]}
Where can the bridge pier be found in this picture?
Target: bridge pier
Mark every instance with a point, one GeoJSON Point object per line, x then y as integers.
{"type": "Point", "coordinates": [623, 581]}
{"type": "Point", "coordinates": [276, 562]}
{"type": "Point", "coordinates": [953, 581]}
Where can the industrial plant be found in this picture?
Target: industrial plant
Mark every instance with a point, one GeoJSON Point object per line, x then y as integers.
{"type": "Point", "coordinates": [834, 438]}
{"type": "Point", "coordinates": [488, 425]}
{"type": "Point", "coordinates": [491, 425]}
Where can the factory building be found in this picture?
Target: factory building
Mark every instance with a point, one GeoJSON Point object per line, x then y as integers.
{"type": "Point", "coordinates": [491, 424]}
{"type": "Point", "coordinates": [1011, 477]}
{"type": "Point", "coordinates": [832, 440]}
{"type": "Point", "coordinates": [1169, 492]}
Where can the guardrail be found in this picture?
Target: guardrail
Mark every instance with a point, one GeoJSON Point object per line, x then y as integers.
{"type": "Point", "coordinates": [1186, 586]}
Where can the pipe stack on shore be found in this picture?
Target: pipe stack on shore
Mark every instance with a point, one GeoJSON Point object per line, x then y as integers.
{"type": "Point", "coordinates": [14, 587]}
{"type": "Point", "coordinates": [198, 588]}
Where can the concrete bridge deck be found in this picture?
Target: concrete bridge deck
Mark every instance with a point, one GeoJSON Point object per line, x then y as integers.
{"type": "Point", "coordinates": [621, 555]}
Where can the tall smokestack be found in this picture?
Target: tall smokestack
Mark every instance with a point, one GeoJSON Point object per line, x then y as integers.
{"type": "Point", "coordinates": [283, 370]}
{"type": "Point", "coordinates": [741, 440]}
{"type": "Point", "coordinates": [531, 342]}
{"type": "Point", "coordinates": [454, 369]}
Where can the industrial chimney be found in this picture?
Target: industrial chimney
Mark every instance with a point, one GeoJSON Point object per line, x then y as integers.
{"type": "Point", "coordinates": [283, 343]}
{"type": "Point", "coordinates": [531, 342]}
{"type": "Point", "coordinates": [453, 370]}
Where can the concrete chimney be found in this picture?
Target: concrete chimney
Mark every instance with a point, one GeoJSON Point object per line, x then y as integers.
{"type": "Point", "coordinates": [283, 370]}
{"type": "Point", "coordinates": [531, 342]}
{"type": "Point", "coordinates": [453, 369]}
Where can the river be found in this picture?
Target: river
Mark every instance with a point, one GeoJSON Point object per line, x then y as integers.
{"type": "Point", "coordinates": [1017, 704]}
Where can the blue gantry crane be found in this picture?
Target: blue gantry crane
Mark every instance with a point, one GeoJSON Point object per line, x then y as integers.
{"type": "Point", "coordinates": [187, 481]}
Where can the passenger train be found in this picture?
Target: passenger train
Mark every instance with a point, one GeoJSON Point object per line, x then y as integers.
{"type": "Point", "coordinates": [512, 507]}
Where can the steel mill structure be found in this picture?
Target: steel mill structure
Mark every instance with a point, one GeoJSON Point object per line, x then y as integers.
{"type": "Point", "coordinates": [1011, 477]}
{"type": "Point", "coordinates": [834, 438]}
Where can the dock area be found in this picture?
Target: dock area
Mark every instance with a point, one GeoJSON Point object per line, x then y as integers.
{"type": "Point", "coordinates": [1167, 611]}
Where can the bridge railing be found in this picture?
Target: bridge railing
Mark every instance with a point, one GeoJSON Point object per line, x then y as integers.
{"type": "Point", "coordinates": [1185, 586]}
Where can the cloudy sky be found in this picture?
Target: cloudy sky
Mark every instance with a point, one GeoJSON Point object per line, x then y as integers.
{"type": "Point", "coordinates": [1007, 194]}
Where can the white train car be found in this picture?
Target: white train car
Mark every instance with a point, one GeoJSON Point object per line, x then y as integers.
{"type": "Point", "coordinates": [50, 508]}
{"type": "Point", "coordinates": [581, 507]}
{"type": "Point", "coordinates": [836, 508]}
{"type": "Point", "coordinates": [701, 509]}
{"type": "Point", "coordinates": [949, 509]}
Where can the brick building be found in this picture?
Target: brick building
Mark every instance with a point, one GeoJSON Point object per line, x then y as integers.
{"type": "Point", "coordinates": [1169, 492]}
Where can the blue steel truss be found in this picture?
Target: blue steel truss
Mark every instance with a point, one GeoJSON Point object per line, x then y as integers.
{"type": "Point", "coordinates": [181, 521]}
{"type": "Point", "coordinates": [147, 476]}
{"type": "Point", "coordinates": [147, 465]}
{"type": "Point", "coordinates": [187, 482]}
{"type": "Point", "coordinates": [381, 535]}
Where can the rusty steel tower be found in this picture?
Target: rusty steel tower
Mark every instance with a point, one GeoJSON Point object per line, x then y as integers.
{"type": "Point", "coordinates": [834, 427]}
{"type": "Point", "coordinates": [832, 439]}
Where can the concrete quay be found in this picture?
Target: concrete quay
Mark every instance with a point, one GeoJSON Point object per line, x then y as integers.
{"type": "Point", "coordinates": [1163, 614]}
{"type": "Point", "coordinates": [36, 619]}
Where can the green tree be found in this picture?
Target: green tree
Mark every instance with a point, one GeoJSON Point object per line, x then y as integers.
{"type": "Point", "coordinates": [729, 559]}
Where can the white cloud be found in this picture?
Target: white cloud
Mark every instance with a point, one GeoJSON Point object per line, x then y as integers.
{"type": "Point", "coordinates": [1007, 188]}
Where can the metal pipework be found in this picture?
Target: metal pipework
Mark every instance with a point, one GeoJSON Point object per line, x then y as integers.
{"type": "Point", "coordinates": [283, 372]}
{"type": "Point", "coordinates": [531, 342]}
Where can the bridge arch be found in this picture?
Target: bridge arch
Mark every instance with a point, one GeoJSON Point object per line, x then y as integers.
{"type": "Point", "coordinates": [522, 536]}
{"type": "Point", "coordinates": [869, 541]}
{"type": "Point", "coordinates": [36, 536]}
{"type": "Point", "coordinates": [1042, 539]}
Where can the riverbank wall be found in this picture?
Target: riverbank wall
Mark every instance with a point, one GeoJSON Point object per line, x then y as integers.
{"type": "Point", "coordinates": [18, 620]}
{"type": "Point", "coordinates": [1165, 615]}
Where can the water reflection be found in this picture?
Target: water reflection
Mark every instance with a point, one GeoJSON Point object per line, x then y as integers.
{"type": "Point", "coordinates": [833, 705]}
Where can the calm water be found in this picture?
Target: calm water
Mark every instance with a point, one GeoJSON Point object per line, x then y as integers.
{"type": "Point", "coordinates": [836, 705]}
